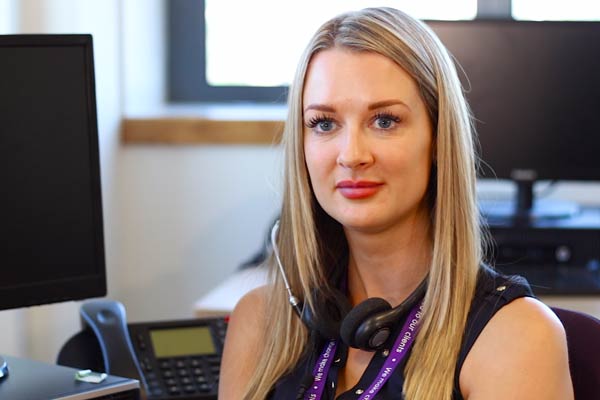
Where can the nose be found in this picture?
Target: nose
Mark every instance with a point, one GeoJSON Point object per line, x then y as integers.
{"type": "Point", "coordinates": [354, 151]}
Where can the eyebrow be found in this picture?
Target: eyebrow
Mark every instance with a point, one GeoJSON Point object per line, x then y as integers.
{"type": "Point", "coordinates": [387, 103]}
{"type": "Point", "coordinates": [372, 106]}
{"type": "Point", "coordinates": [319, 107]}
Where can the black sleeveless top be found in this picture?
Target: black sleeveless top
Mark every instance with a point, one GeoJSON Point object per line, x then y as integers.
{"type": "Point", "coordinates": [493, 292]}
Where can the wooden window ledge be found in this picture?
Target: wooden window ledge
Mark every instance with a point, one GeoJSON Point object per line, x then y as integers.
{"type": "Point", "coordinates": [206, 125]}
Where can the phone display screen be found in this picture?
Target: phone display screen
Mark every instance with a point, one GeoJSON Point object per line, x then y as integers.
{"type": "Point", "coordinates": [182, 341]}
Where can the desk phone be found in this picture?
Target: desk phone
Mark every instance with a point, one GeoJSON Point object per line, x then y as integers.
{"type": "Point", "coordinates": [173, 360]}
{"type": "Point", "coordinates": [180, 359]}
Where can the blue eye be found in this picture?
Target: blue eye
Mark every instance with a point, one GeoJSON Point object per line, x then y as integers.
{"type": "Point", "coordinates": [385, 121]}
{"type": "Point", "coordinates": [321, 124]}
{"type": "Point", "coordinates": [325, 126]}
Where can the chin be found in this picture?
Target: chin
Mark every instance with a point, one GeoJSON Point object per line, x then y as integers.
{"type": "Point", "coordinates": [375, 220]}
{"type": "Point", "coordinates": [363, 223]}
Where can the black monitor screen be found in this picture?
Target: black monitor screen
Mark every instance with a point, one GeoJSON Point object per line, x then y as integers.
{"type": "Point", "coordinates": [51, 237]}
{"type": "Point", "coordinates": [534, 88]}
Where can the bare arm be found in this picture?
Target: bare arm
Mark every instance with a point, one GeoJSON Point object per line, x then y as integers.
{"type": "Point", "coordinates": [521, 354]}
{"type": "Point", "coordinates": [243, 344]}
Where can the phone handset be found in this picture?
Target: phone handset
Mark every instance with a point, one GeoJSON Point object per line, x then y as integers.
{"type": "Point", "coordinates": [107, 318]}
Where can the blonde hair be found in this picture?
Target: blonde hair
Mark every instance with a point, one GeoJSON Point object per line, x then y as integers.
{"type": "Point", "coordinates": [456, 232]}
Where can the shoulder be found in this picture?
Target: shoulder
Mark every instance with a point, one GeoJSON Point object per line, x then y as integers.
{"type": "Point", "coordinates": [520, 354]}
{"type": "Point", "coordinates": [247, 320]}
{"type": "Point", "coordinates": [243, 343]}
{"type": "Point", "coordinates": [250, 306]}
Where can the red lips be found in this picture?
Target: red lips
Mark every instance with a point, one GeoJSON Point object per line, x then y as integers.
{"type": "Point", "coordinates": [358, 189]}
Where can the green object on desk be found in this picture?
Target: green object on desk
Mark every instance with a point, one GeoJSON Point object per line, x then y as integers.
{"type": "Point", "coordinates": [87, 375]}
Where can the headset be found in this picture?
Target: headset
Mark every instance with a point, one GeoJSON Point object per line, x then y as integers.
{"type": "Point", "coordinates": [367, 326]}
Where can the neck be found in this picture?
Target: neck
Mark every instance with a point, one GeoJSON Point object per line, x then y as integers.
{"type": "Point", "coordinates": [389, 264]}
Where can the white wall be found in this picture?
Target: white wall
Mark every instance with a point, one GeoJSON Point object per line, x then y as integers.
{"type": "Point", "coordinates": [144, 56]}
{"type": "Point", "coordinates": [190, 216]}
{"type": "Point", "coordinates": [7, 16]}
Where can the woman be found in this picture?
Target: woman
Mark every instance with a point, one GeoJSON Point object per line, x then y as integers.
{"type": "Point", "coordinates": [379, 201]}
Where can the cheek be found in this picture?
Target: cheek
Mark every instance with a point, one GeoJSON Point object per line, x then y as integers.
{"type": "Point", "coordinates": [423, 168]}
{"type": "Point", "coordinates": [316, 160]}
{"type": "Point", "coordinates": [412, 167]}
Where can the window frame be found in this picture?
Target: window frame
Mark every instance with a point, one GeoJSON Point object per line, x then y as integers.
{"type": "Point", "coordinates": [186, 61]}
{"type": "Point", "coordinates": [186, 31]}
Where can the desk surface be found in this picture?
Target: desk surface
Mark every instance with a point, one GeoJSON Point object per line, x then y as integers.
{"type": "Point", "coordinates": [223, 298]}
{"type": "Point", "coordinates": [34, 380]}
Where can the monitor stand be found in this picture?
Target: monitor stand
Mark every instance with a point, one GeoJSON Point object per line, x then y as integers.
{"type": "Point", "coordinates": [525, 208]}
{"type": "Point", "coordinates": [3, 368]}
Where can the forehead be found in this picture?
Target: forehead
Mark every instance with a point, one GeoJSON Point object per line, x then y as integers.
{"type": "Point", "coordinates": [341, 75]}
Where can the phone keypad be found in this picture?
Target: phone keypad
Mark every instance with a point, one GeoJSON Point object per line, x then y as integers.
{"type": "Point", "coordinates": [185, 376]}
{"type": "Point", "coordinates": [188, 377]}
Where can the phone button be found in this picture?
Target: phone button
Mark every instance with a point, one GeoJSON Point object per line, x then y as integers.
{"type": "Point", "coordinates": [189, 388]}
{"type": "Point", "coordinates": [195, 362]}
{"type": "Point", "coordinates": [204, 387]}
{"type": "Point", "coordinates": [214, 358]}
{"type": "Point", "coordinates": [173, 390]}
{"type": "Point", "coordinates": [171, 382]}
{"type": "Point", "coordinates": [186, 381]}
{"type": "Point", "coordinates": [168, 374]}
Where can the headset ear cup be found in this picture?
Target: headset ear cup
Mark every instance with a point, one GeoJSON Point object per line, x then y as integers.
{"type": "Point", "coordinates": [328, 313]}
{"type": "Point", "coordinates": [355, 329]}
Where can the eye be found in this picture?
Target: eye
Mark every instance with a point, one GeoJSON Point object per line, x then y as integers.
{"type": "Point", "coordinates": [385, 121]}
{"type": "Point", "coordinates": [321, 124]}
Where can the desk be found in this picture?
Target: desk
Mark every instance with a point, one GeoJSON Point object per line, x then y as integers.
{"type": "Point", "coordinates": [34, 380]}
{"type": "Point", "coordinates": [223, 298]}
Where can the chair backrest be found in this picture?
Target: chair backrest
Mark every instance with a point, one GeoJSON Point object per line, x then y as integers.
{"type": "Point", "coordinates": [583, 338]}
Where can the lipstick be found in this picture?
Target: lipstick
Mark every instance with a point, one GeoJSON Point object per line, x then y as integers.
{"type": "Point", "coordinates": [357, 189]}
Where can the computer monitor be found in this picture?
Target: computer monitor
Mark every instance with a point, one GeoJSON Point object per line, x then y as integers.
{"type": "Point", "coordinates": [534, 89]}
{"type": "Point", "coordinates": [51, 231]}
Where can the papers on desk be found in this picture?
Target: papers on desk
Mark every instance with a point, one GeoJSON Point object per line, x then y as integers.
{"type": "Point", "coordinates": [224, 297]}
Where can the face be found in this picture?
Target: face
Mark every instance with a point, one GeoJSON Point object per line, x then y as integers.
{"type": "Point", "coordinates": [367, 140]}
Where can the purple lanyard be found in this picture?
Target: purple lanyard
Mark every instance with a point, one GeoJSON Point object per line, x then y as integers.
{"type": "Point", "coordinates": [402, 344]}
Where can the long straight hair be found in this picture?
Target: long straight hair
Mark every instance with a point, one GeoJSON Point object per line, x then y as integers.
{"type": "Point", "coordinates": [309, 240]}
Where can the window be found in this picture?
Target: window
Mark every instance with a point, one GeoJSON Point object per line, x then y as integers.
{"type": "Point", "coordinates": [556, 10]}
{"type": "Point", "coordinates": [270, 35]}
{"type": "Point", "coordinates": [237, 50]}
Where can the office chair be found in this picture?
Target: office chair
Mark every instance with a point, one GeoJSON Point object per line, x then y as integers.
{"type": "Point", "coordinates": [583, 338]}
